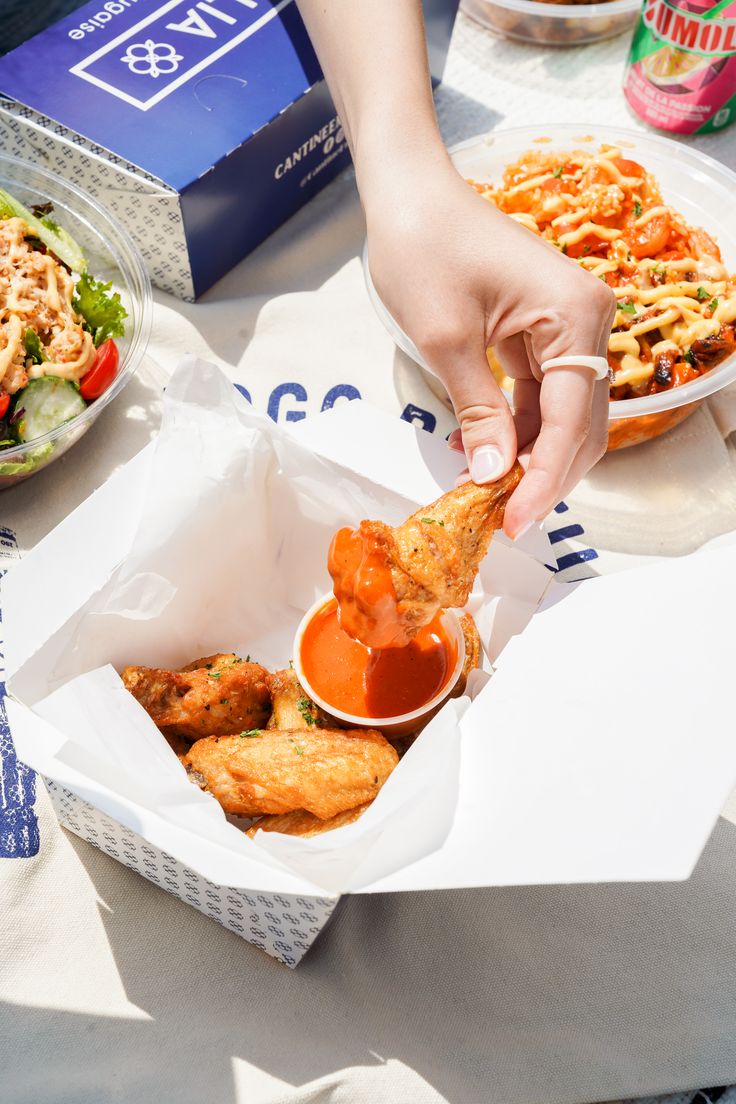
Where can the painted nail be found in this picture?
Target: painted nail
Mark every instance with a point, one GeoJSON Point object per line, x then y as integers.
{"type": "Point", "coordinates": [524, 529]}
{"type": "Point", "coordinates": [487, 464]}
{"type": "Point", "coordinates": [455, 441]}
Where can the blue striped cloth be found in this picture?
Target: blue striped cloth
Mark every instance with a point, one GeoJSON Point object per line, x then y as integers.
{"type": "Point", "coordinates": [19, 838]}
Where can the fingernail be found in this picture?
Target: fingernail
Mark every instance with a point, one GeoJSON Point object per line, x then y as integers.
{"type": "Point", "coordinates": [487, 464]}
{"type": "Point", "coordinates": [455, 441]}
{"type": "Point", "coordinates": [524, 529]}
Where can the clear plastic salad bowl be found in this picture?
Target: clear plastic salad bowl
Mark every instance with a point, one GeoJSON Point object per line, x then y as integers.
{"type": "Point", "coordinates": [700, 187]}
{"type": "Point", "coordinates": [553, 24]}
{"type": "Point", "coordinates": [111, 256]}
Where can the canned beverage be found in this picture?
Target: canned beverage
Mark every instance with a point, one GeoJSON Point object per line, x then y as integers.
{"type": "Point", "coordinates": [681, 73]}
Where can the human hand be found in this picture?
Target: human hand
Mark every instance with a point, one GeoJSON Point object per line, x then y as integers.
{"type": "Point", "coordinates": [459, 276]}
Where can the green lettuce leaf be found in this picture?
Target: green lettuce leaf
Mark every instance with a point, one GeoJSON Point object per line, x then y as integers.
{"type": "Point", "coordinates": [104, 315]}
{"type": "Point", "coordinates": [54, 237]}
{"type": "Point", "coordinates": [33, 345]}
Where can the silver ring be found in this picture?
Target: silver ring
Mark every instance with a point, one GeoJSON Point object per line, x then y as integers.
{"type": "Point", "coordinates": [597, 363]}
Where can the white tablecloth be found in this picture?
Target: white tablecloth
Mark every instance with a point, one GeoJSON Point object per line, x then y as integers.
{"type": "Point", "coordinates": [113, 991]}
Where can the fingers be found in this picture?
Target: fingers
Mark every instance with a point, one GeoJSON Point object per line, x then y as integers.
{"type": "Point", "coordinates": [573, 411]}
{"type": "Point", "coordinates": [527, 413]}
{"type": "Point", "coordinates": [486, 425]}
{"type": "Point", "coordinates": [596, 442]}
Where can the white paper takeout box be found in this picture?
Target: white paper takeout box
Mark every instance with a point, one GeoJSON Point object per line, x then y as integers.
{"type": "Point", "coordinates": [600, 749]}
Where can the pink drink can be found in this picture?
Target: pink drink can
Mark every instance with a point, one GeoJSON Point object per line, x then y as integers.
{"type": "Point", "coordinates": [681, 73]}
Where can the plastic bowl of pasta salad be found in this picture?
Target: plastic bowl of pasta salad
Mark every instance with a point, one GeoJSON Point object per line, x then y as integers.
{"type": "Point", "coordinates": [551, 23]}
{"type": "Point", "coordinates": [75, 315]}
{"type": "Point", "coordinates": [652, 218]}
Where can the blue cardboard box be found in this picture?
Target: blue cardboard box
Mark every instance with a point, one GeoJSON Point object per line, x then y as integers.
{"type": "Point", "coordinates": [203, 124]}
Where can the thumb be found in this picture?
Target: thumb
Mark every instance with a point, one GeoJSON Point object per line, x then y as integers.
{"type": "Point", "coordinates": [486, 423]}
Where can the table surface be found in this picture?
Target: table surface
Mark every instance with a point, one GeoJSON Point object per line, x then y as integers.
{"type": "Point", "coordinates": [114, 991]}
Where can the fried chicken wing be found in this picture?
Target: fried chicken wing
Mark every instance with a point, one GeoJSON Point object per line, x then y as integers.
{"type": "Point", "coordinates": [472, 653]}
{"type": "Point", "coordinates": [291, 706]}
{"type": "Point", "coordinates": [391, 582]}
{"type": "Point", "coordinates": [222, 694]}
{"type": "Point", "coordinates": [324, 771]}
{"type": "Point", "coordinates": [304, 824]}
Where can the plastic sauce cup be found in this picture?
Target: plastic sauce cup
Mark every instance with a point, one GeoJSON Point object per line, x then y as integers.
{"type": "Point", "coordinates": [396, 725]}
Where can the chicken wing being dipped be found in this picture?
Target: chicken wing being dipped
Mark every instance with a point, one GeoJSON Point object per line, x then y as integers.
{"type": "Point", "coordinates": [323, 771]}
{"type": "Point", "coordinates": [391, 582]}
{"type": "Point", "coordinates": [212, 696]}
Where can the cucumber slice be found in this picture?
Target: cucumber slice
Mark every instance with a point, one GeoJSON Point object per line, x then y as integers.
{"type": "Point", "coordinates": [57, 240]}
{"type": "Point", "coordinates": [46, 403]}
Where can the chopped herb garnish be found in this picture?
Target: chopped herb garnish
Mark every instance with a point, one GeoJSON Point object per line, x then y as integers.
{"type": "Point", "coordinates": [628, 308]}
{"type": "Point", "coordinates": [564, 248]}
{"type": "Point", "coordinates": [713, 304]}
{"type": "Point", "coordinates": [586, 250]}
{"type": "Point", "coordinates": [40, 210]}
{"type": "Point", "coordinates": [637, 209]}
{"type": "Point", "coordinates": [558, 173]}
{"type": "Point", "coordinates": [208, 666]}
{"type": "Point", "coordinates": [305, 707]}
{"type": "Point", "coordinates": [291, 664]}
{"type": "Point", "coordinates": [234, 662]}
{"type": "Point", "coordinates": [690, 357]}
{"type": "Point", "coordinates": [299, 750]}
{"type": "Point", "coordinates": [250, 734]}
{"type": "Point", "coordinates": [215, 674]}
{"type": "Point", "coordinates": [247, 658]}
{"type": "Point", "coordinates": [33, 345]}
{"type": "Point", "coordinates": [224, 701]}
{"type": "Point", "coordinates": [702, 294]}
{"type": "Point", "coordinates": [428, 521]}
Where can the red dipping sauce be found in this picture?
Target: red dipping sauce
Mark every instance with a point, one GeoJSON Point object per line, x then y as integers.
{"type": "Point", "coordinates": [373, 682]}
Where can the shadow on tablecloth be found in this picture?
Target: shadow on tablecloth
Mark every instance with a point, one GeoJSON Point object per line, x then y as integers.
{"type": "Point", "coordinates": [505, 996]}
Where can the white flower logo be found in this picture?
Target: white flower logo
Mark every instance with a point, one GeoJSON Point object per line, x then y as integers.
{"type": "Point", "coordinates": [151, 58]}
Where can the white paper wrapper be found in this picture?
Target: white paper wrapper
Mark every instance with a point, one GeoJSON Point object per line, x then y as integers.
{"type": "Point", "coordinates": [597, 751]}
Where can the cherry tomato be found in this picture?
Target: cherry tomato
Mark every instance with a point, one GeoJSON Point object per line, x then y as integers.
{"type": "Point", "coordinates": [594, 174]}
{"type": "Point", "coordinates": [651, 238]}
{"type": "Point", "coordinates": [102, 373]}
{"type": "Point", "coordinates": [703, 245]}
{"type": "Point", "coordinates": [683, 373]}
{"type": "Point", "coordinates": [589, 244]}
{"type": "Point", "coordinates": [4, 403]}
{"type": "Point", "coordinates": [628, 168]}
